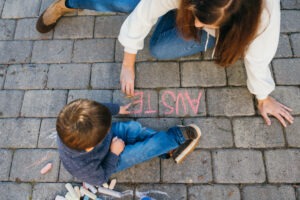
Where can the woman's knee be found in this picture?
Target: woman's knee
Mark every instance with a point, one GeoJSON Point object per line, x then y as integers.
{"type": "Point", "coordinates": [157, 51]}
{"type": "Point", "coordinates": [125, 6]}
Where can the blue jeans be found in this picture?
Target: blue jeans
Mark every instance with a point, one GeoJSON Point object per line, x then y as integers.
{"type": "Point", "coordinates": [142, 144]}
{"type": "Point", "coordinates": [166, 42]}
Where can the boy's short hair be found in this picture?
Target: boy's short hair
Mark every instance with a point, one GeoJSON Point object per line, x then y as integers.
{"type": "Point", "coordinates": [83, 124]}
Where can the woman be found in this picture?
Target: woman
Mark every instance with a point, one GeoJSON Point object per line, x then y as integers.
{"type": "Point", "coordinates": [234, 28]}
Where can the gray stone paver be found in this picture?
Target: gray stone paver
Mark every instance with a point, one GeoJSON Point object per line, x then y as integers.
{"type": "Point", "coordinates": [203, 74]}
{"type": "Point", "coordinates": [52, 51]}
{"type": "Point", "coordinates": [69, 76]}
{"type": "Point", "coordinates": [254, 133]}
{"type": "Point", "coordinates": [74, 28]}
{"type": "Point", "coordinates": [13, 132]}
{"type": "Point", "coordinates": [230, 102]}
{"type": "Point", "coordinates": [43, 103]}
{"type": "Point", "coordinates": [16, 52]}
{"type": "Point", "coordinates": [48, 134]}
{"type": "Point", "coordinates": [25, 30]}
{"type": "Point", "coordinates": [29, 76]}
{"type": "Point", "coordinates": [27, 164]}
{"type": "Point", "coordinates": [20, 9]}
{"type": "Point", "coordinates": [238, 156]}
{"type": "Point", "coordinates": [286, 71]}
{"type": "Point", "coordinates": [106, 76]}
{"type": "Point", "coordinates": [162, 191]}
{"type": "Point", "coordinates": [288, 22]}
{"type": "Point", "coordinates": [290, 4]}
{"type": "Point", "coordinates": [48, 191]}
{"type": "Point", "coordinates": [196, 168]}
{"type": "Point", "coordinates": [5, 162]}
{"type": "Point", "coordinates": [3, 69]}
{"type": "Point", "coordinates": [216, 132]}
{"type": "Point", "coordinates": [238, 166]}
{"type": "Point", "coordinates": [157, 75]}
{"type": "Point", "coordinates": [284, 47]}
{"type": "Point", "coordinates": [283, 166]}
{"type": "Point", "coordinates": [268, 192]}
{"type": "Point", "coordinates": [214, 192]}
{"type": "Point", "coordinates": [292, 133]}
{"type": "Point", "coordinates": [1, 6]}
{"type": "Point", "coordinates": [7, 28]}
{"type": "Point", "coordinates": [10, 190]}
{"type": "Point", "coordinates": [236, 74]}
{"type": "Point", "coordinates": [103, 96]}
{"type": "Point", "coordinates": [104, 28]}
{"type": "Point", "coordinates": [10, 103]}
{"type": "Point", "coordinates": [148, 172]}
{"type": "Point", "coordinates": [93, 50]}
{"type": "Point", "coordinates": [295, 44]}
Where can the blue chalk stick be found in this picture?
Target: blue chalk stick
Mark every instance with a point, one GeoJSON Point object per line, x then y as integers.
{"type": "Point", "coordinates": [86, 198]}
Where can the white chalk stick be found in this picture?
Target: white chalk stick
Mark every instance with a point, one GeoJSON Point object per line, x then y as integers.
{"type": "Point", "coordinates": [58, 197]}
{"type": "Point", "coordinates": [76, 188]}
{"type": "Point", "coordinates": [87, 193]}
{"type": "Point", "coordinates": [72, 191]}
{"type": "Point", "coordinates": [46, 168]}
{"type": "Point", "coordinates": [105, 185]}
{"type": "Point", "coordinates": [91, 188]}
{"type": "Point", "coordinates": [68, 196]}
{"type": "Point", "coordinates": [112, 184]}
{"type": "Point", "coordinates": [110, 192]}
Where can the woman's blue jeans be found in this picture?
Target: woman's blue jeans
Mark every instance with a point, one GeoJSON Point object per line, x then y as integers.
{"type": "Point", "coordinates": [166, 42]}
{"type": "Point", "coordinates": [142, 144]}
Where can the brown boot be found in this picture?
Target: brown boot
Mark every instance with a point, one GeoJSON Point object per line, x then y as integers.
{"type": "Point", "coordinates": [51, 15]}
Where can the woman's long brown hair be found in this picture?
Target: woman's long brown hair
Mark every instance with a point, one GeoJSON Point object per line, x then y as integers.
{"type": "Point", "coordinates": [238, 22]}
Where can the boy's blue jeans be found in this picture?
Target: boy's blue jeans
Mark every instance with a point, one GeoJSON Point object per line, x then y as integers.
{"type": "Point", "coordinates": [142, 144]}
{"type": "Point", "coordinates": [165, 38]}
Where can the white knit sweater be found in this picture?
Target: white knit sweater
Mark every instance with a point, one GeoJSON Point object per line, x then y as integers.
{"type": "Point", "coordinates": [258, 57]}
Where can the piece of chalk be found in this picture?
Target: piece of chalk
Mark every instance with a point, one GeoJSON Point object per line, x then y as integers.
{"type": "Point", "coordinates": [105, 185]}
{"type": "Point", "coordinates": [91, 188]}
{"type": "Point", "coordinates": [58, 197]}
{"type": "Point", "coordinates": [72, 191]}
{"type": "Point", "coordinates": [112, 184]}
{"type": "Point", "coordinates": [76, 188]}
{"type": "Point", "coordinates": [110, 192]}
{"type": "Point", "coordinates": [86, 198]}
{"type": "Point", "coordinates": [88, 193]}
{"type": "Point", "coordinates": [68, 196]}
{"type": "Point", "coordinates": [46, 169]}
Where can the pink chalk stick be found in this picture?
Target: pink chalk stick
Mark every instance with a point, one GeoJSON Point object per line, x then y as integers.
{"type": "Point", "coordinates": [46, 169]}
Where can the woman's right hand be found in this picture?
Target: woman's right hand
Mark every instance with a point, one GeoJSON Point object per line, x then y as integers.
{"type": "Point", "coordinates": [117, 146]}
{"type": "Point", "coordinates": [127, 80]}
{"type": "Point", "coordinates": [127, 74]}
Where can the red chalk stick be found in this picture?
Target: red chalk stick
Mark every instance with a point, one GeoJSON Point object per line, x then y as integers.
{"type": "Point", "coordinates": [46, 169]}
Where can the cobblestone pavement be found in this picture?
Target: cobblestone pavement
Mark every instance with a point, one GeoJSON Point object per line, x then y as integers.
{"type": "Point", "coordinates": [239, 157]}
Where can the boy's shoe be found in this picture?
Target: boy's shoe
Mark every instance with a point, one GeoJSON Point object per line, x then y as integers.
{"type": "Point", "coordinates": [192, 134]}
{"type": "Point", "coordinates": [51, 15]}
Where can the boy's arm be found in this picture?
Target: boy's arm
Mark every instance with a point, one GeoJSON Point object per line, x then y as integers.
{"type": "Point", "coordinates": [114, 108]}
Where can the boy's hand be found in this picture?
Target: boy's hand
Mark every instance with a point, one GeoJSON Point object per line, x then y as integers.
{"type": "Point", "coordinates": [117, 146]}
{"type": "Point", "coordinates": [124, 109]}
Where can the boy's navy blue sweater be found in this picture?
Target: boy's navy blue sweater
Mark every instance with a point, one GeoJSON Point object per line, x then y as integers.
{"type": "Point", "coordinates": [94, 167]}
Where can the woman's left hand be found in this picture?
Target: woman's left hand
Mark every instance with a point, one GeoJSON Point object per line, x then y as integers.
{"type": "Point", "coordinates": [278, 110]}
{"type": "Point", "coordinates": [124, 109]}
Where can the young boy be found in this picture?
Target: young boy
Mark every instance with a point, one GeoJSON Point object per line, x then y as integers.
{"type": "Point", "coordinates": [92, 148]}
